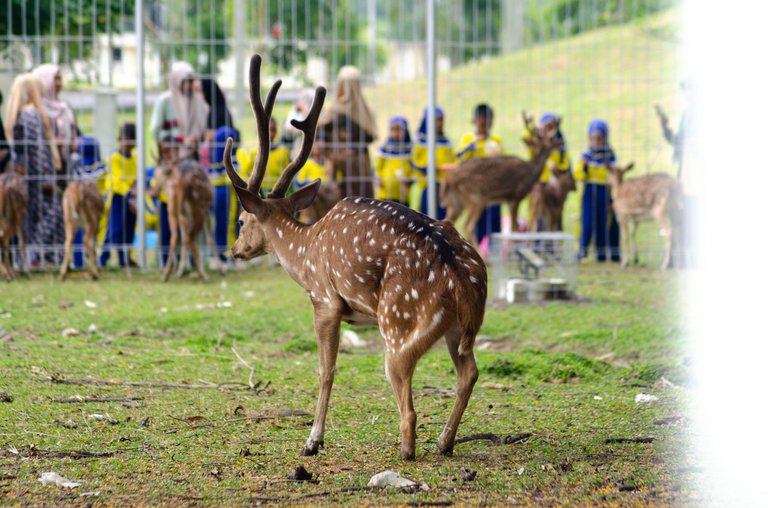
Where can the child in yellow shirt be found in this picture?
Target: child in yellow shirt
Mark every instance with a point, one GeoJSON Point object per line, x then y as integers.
{"type": "Point", "coordinates": [393, 170]}
{"type": "Point", "coordinates": [445, 160]}
{"type": "Point", "coordinates": [122, 216]}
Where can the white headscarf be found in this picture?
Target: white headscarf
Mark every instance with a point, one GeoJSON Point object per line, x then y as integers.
{"type": "Point", "coordinates": [59, 113]}
{"type": "Point", "coordinates": [191, 111]}
{"type": "Point", "coordinates": [350, 101]}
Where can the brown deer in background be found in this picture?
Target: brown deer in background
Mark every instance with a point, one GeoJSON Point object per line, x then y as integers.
{"type": "Point", "coordinates": [548, 200]}
{"type": "Point", "coordinates": [190, 195]}
{"type": "Point", "coordinates": [13, 209]}
{"type": "Point", "coordinates": [478, 183]}
{"type": "Point", "coordinates": [366, 262]}
{"type": "Point", "coordinates": [650, 197]}
{"type": "Point", "coordinates": [83, 207]}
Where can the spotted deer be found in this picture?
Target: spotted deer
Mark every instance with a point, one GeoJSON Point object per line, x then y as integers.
{"type": "Point", "coordinates": [13, 209]}
{"type": "Point", "coordinates": [650, 197]}
{"type": "Point", "coordinates": [83, 207]}
{"type": "Point", "coordinates": [548, 200]}
{"type": "Point", "coordinates": [189, 194]}
{"type": "Point", "coordinates": [478, 183]}
{"type": "Point", "coordinates": [366, 262]}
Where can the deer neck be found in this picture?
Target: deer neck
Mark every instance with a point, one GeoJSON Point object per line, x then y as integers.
{"type": "Point", "coordinates": [289, 241]}
{"type": "Point", "coordinates": [538, 162]}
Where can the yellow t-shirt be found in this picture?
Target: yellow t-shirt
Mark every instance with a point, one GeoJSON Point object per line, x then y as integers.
{"type": "Point", "coordinates": [470, 147]}
{"type": "Point", "coordinates": [391, 172]}
{"type": "Point", "coordinates": [310, 172]}
{"type": "Point", "coordinates": [444, 154]}
{"type": "Point", "coordinates": [556, 160]}
{"type": "Point", "coordinates": [122, 173]}
{"type": "Point", "coordinates": [591, 172]}
{"type": "Point", "coordinates": [278, 160]}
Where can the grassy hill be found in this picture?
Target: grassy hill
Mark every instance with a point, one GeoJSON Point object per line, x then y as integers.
{"type": "Point", "coordinates": [616, 73]}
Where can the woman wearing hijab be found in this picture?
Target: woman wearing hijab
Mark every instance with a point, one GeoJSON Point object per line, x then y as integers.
{"type": "Point", "coordinates": [221, 187]}
{"type": "Point", "coordinates": [596, 223]}
{"type": "Point", "coordinates": [218, 112]}
{"type": "Point", "coordinates": [445, 159]}
{"type": "Point", "coordinates": [60, 114]}
{"type": "Point", "coordinates": [33, 144]}
{"type": "Point", "coordinates": [393, 163]}
{"type": "Point", "coordinates": [349, 126]}
{"type": "Point", "coordinates": [5, 148]}
{"type": "Point", "coordinates": [181, 112]}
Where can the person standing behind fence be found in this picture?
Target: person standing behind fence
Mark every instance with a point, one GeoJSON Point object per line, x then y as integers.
{"type": "Point", "coordinates": [481, 143]}
{"type": "Point", "coordinates": [218, 116]}
{"type": "Point", "coordinates": [121, 226]}
{"type": "Point", "coordinates": [222, 196]}
{"type": "Point", "coordinates": [33, 146]}
{"type": "Point", "coordinates": [60, 115]}
{"type": "Point", "coordinates": [5, 148]}
{"type": "Point", "coordinates": [445, 160]}
{"type": "Point", "coordinates": [349, 126]}
{"type": "Point", "coordinates": [597, 223]}
{"type": "Point", "coordinates": [181, 111]}
{"type": "Point", "coordinates": [393, 164]}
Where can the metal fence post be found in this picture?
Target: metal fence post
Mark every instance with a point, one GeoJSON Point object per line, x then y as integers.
{"type": "Point", "coordinates": [431, 182]}
{"type": "Point", "coordinates": [140, 137]}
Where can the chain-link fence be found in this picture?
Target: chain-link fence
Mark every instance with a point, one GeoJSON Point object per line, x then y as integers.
{"type": "Point", "coordinates": [580, 60]}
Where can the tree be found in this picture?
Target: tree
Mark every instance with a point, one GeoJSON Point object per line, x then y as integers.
{"type": "Point", "coordinates": [68, 28]}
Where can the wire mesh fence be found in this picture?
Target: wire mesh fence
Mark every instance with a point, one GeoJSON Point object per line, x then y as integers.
{"type": "Point", "coordinates": [578, 59]}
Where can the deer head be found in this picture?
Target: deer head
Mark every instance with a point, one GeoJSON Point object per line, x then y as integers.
{"type": "Point", "coordinates": [616, 173]}
{"type": "Point", "coordinates": [255, 229]}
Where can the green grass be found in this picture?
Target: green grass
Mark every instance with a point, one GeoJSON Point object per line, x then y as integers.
{"type": "Point", "coordinates": [567, 372]}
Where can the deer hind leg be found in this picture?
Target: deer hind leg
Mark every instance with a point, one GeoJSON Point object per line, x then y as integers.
{"type": "Point", "coordinates": [174, 226]}
{"type": "Point", "coordinates": [185, 245]}
{"type": "Point", "coordinates": [466, 371]}
{"type": "Point", "coordinates": [69, 236]}
{"type": "Point", "coordinates": [89, 238]}
{"type": "Point", "coordinates": [197, 258]}
{"type": "Point", "coordinates": [399, 370]}
{"type": "Point", "coordinates": [327, 323]}
{"type": "Point", "coordinates": [666, 229]}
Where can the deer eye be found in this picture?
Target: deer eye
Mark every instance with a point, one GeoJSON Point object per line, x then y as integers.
{"type": "Point", "coordinates": [240, 222]}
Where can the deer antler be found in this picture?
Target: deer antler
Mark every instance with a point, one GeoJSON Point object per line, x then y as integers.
{"type": "Point", "coordinates": [262, 113]}
{"type": "Point", "coordinates": [308, 127]}
{"type": "Point", "coordinates": [528, 122]}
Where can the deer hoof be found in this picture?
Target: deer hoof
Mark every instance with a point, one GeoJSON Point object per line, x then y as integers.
{"type": "Point", "coordinates": [407, 454]}
{"type": "Point", "coordinates": [311, 448]}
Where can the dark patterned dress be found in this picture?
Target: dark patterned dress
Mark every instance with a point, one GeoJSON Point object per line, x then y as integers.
{"type": "Point", "coordinates": [44, 226]}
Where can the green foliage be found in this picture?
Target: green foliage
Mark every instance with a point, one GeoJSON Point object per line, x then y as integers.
{"type": "Point", "coordinates": [72, 26]}
{"type": "Point", "coordinates": [535, 365]}
{"type": "Point", "coordinates": [300, 346]}
{"type": "Point", "coordinates": [555, 19]}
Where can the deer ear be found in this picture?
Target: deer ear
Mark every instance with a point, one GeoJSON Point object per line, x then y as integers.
{"type": "Point", "coordinates": [250, 201]}
{"type": "Point", "coordinates": [629, 166]}
{"type": "Point", "coordinates": [303, 197]}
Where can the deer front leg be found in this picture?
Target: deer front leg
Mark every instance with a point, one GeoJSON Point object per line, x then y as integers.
{"type": "Point", "coordinates": [666, 230]}
{"type": "Point", "coordinates": [625, 241]}
{"type": "Point", "coordinates": [466, 372]}
{"type": "Point", "coordinates": [327, 323]}
{"type": "Point", "coordinates": [514, 207]}
{"type": "Point", "coordinates": [5, 266]}
{"type": "Point", "coordinates": [23, 261]}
